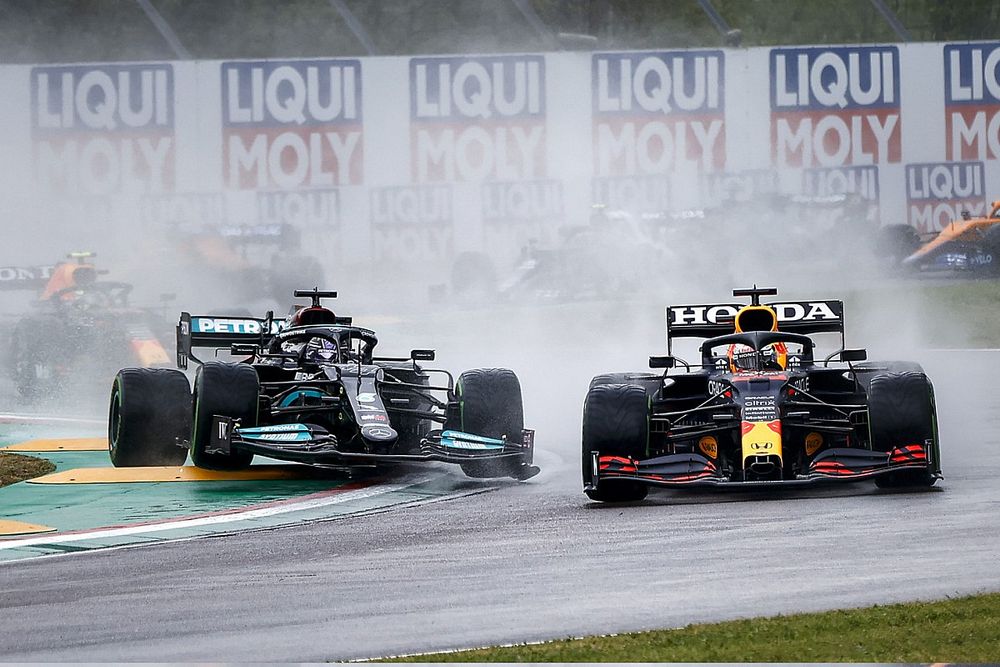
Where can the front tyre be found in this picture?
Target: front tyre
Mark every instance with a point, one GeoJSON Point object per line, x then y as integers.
{"type": "Point", "coordinates": [490, 405]}
{"type": "Point", "coordinates": [150, 413]}
{"type": "Point", "coordinates": [228, 390]}
{"type": "Point", "coordinates": [615, 423]}
{"type": "Point", "coordinates": [901, 411]}
{"type": "Point", "coordinates": [866, 370]}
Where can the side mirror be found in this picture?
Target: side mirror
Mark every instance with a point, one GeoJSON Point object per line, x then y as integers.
{"type": "Point", "coordinates": [859, 354]}
{"type": "Point", "coordinates": [661, 361]}
{"type": "Point", "coordinates": [422, 355]}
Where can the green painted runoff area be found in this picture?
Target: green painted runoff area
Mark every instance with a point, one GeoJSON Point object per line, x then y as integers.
{"type": "Point", "coordinates": [73, 507]}
{"type": "Point", "coordinates": [81, 507]}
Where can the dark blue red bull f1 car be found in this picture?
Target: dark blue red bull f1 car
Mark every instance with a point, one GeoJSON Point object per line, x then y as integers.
{"type": "Point", "coordinates": [759, 409]}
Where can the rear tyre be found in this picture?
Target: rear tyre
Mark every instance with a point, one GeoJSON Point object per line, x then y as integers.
{"type": "Point", "coordinates": [36, 344]}
{"type": "Point", "coordinates": [490, 405]}
{"type": "Point", "coordinates": [150, 413]}
{"type": "Point", "coordinates": [228, 390]}
{"type": "Point", "coordinates": [615, 423]}
{"type": "Point", "coordinates": [902, 413]}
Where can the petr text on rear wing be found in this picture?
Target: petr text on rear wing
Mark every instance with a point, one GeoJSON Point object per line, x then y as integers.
{"type": "Point", "coordinates": [220, 331]}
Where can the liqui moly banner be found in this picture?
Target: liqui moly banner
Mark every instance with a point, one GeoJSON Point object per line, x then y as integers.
{"type": "Point", "coordinates": [727, 187]}
{"type": "Point", "coordinates": [292, 124]}
{"type": "Point", "coordinates": [487, 153]}
{"type": "Point", "coordinates": [413, 221]}
{"type": "Point", "coordinates": [939, 192]}
{"type": "Point", "coordinates": [830, 181]}
{"type": "Point", "coordinates": [477, 118]}
{"type": "Point", "coordinates": [835, 106]}
{"type": "Point", "coordinates": [103, 129]}
{"type": "Point", "coordinates": [972, 101]}
{"type": "Point", "coordinates": [655, 114]}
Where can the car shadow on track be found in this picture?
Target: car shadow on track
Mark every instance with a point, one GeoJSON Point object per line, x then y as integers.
{"type": "Point", "coordinates": [716, 496]}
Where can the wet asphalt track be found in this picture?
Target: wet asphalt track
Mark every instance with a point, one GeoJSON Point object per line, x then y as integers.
{"type": "Point", "coordinates": [524, 562]}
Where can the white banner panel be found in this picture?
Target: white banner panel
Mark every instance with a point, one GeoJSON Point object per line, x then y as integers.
{"type": "Point", "coordinates": [422, 160]}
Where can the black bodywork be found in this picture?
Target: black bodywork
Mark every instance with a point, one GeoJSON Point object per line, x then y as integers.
{"type": "Point", "coordinates": [802, 422]}
{"type": "Point", "coordinates": [349, 408]}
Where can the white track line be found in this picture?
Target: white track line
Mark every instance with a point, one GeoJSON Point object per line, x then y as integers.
{"type": "Point", "coordinates": [34, 419]}
{"type": "Point", "coordinates": [335, 499]}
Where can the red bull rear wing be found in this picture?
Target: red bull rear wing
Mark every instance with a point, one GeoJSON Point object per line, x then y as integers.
{"type": "Point", "coordinates": [718, 319]}
{"type": "Point", "coordinates": [25, 277]}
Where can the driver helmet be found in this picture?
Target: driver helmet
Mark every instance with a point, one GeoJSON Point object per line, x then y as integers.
{"type": "Point", "coordinates": [70, 277]}
{"type": "Point", "coordinates": [309, 316]}
{"type": "Point", "coordinates": [320, 350]}
{"type": "Point", "coordinates": [743, 358]}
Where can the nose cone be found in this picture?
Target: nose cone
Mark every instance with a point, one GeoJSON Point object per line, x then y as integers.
{"type": "Point", "coordinates": [378, 433]}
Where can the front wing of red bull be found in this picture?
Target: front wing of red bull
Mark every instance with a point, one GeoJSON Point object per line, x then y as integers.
{"type": "Point", "coordinates": [694, 470]}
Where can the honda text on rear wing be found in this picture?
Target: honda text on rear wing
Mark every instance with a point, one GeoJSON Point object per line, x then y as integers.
{"type": "Point", "coordinates": [718, 319]}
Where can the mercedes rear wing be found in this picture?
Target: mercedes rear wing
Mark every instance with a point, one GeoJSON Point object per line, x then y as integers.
{"type": "Point", "coordinates": [223, 331]}
{"type": "Point", "coordinates": [718, 319]}
{"type": "Point", "coordinates": [220, 331]}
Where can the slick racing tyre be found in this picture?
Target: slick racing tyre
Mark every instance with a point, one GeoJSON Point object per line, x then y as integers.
{"type": "Point", "coordinates": [615, 423]}
{"type": "Point", "coordinates": [901, 412]}
{"type": "Point", "coordinates": [229, 390]}
{"type": "Point", "coordinates": [150, 413]}
{"type": "Point", "coordinates": [489, 404]}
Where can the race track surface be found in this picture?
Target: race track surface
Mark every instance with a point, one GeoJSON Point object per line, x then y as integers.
{"type": "Point", "coordinates": [524, 562]}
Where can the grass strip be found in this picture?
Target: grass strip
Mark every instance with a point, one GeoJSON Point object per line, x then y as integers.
{"type": "Point", "coordinates": [965, 630]}
{"type": "Point", "coordinates": [946, 313]}
{"type": "Point", "coordinates": [18, 467]}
